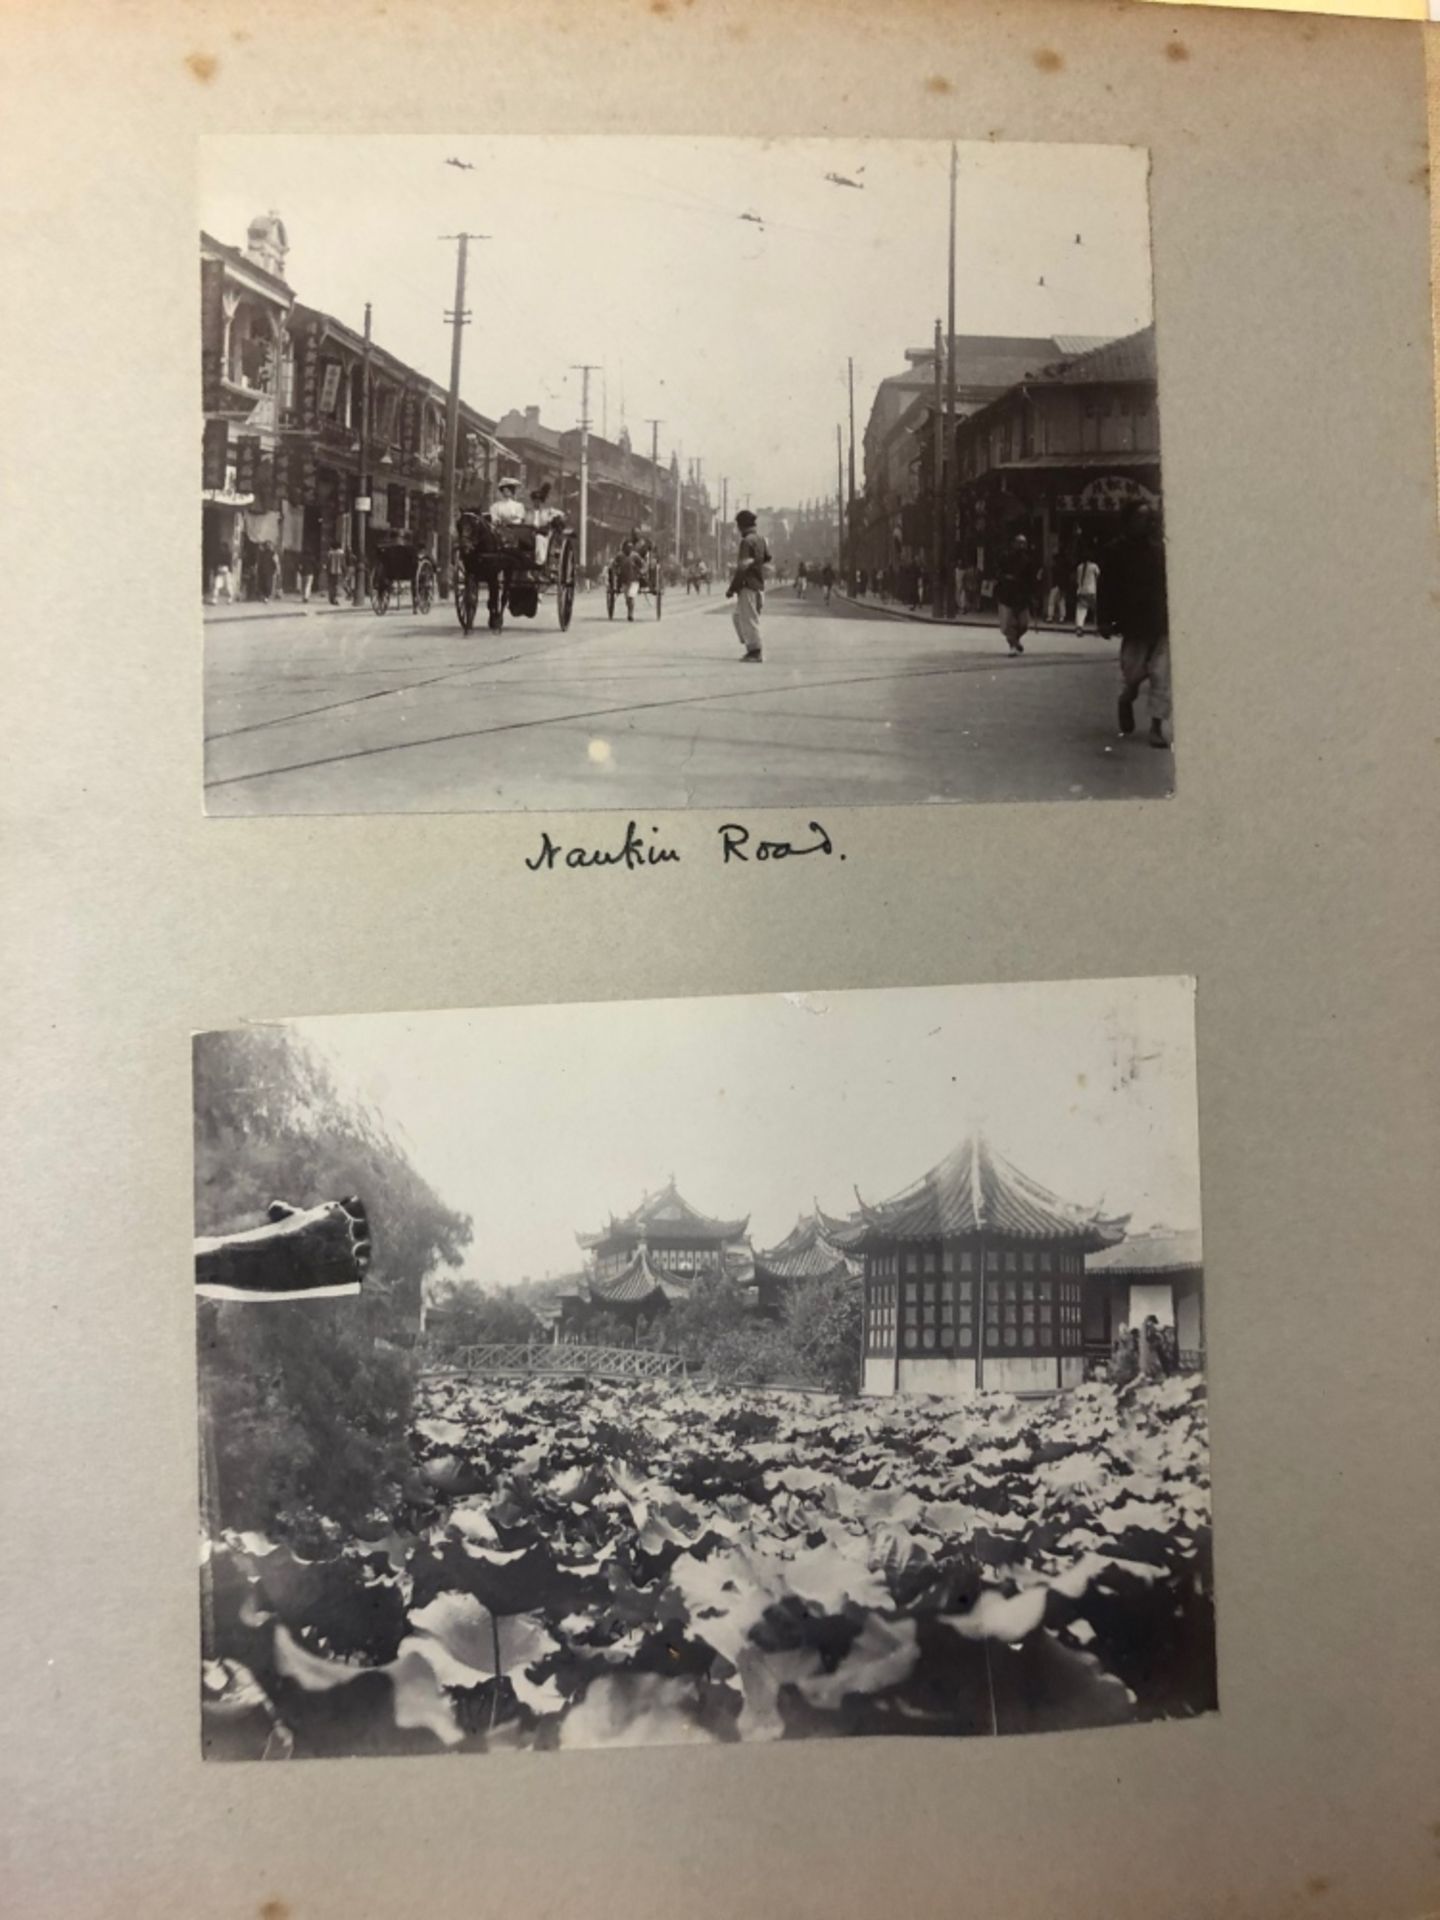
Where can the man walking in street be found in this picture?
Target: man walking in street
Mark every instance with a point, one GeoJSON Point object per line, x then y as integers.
{"type": "Point", "coordinates": [630, 566]}
{"type": "Point", "coordinates": [1132, 602]}
{"type": "Point", "coordinates": [1087, 586]}
{"type": "Point", "coordinates": [334, 571]}
{"type": "Point", "coordinates": [1014, 587]}
{"type": "Point", "coordinates": [747, 585]}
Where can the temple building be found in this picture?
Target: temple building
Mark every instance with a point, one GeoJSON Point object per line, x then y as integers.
{"type": "Point", "coordinates": [1159, 1272]}
{"type": "Point", "coordinates": [975, 1278]}
{"type": "Point", "coordinates": [679, 1237]}
{"type": "Point", "coordinates": [637, 1295]}
{"type": "Point", "coordinates": [639, 1265]}
{"type": "Point", "coordinates": [817, 1247]}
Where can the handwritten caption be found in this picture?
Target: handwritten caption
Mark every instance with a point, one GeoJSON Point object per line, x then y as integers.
{"type": "Point", "coordinates": [736, 844]}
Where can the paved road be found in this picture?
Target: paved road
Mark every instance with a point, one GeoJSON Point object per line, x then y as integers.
{"type": "Point", "coordinates": [354, 713]}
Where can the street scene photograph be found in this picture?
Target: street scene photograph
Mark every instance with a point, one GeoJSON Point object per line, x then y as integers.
{"type": "Point", "coordinates": [630, 473]}
{"type": "Point", "coordinates": [847, 1379]}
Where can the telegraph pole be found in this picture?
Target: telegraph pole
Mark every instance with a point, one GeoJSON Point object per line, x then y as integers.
{"type": "Point", "coordinates": [655, 426]}
{"type": "Point", "coordinates": [938, 600]}
{"type": "Point", "coordinates": [947, 537]}
{"type": "Point", "coordinates": [850, 505]}
{"type": "Point", "coordinates": [679, 507]}
{"type": "Point", "coordinates": [585, 369]}
{"type": "Point", "coordinates": [458, 319]}
{"type": "Point", "coordinates": [840, 495]}
{"type": "Point", "coordinates": [722, 525]}
{"type": "Point", "coordinates": [362, 514]}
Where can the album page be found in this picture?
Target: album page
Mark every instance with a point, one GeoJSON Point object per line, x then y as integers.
{"type": "Point", "coordinates": [719, 835]}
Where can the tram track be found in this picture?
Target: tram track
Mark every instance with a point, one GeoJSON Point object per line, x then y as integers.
{"type": "Point", "coordinates": [974, 665]}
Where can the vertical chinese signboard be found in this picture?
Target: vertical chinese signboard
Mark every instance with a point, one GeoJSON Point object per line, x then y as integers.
{"type": "Point", "coordinates": [310, 382]}
{"type": "Point", "coordinates": [247, 463]}
{"type": "Point", "coordinates": [216, 457]}
{"type": "Point", "coordinates": [212, 333]}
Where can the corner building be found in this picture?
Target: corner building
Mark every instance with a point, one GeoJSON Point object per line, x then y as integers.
{"type": "Point", "coordinates": [974, 1278]}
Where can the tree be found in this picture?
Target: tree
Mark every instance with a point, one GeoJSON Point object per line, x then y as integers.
{"type": "Point", "coordinates": [715, 1307]}
{"type": "Point", "coordinates": [308, 1402]}
{"type": "Point", "coordinates": [824, 1326]}
{"type": "Point", "coordinates": [464, 1314]}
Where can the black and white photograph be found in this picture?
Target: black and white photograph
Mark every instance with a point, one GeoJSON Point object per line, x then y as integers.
{"type": "Point", "coordinates": [628, 472]}
{"type": "Point", "coordinates": [703, 1371]}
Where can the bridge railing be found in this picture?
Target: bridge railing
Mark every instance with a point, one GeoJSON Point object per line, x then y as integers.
{"type": "Point", "coordinates": [624, 1363]}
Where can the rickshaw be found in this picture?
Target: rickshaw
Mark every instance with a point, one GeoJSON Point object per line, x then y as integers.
{"type": "Point", "coordinates": [514, 570]}
{"type": "Point", "coordinates": [397, 565]}
{"type": "Point", "coordinates": [652, 584]}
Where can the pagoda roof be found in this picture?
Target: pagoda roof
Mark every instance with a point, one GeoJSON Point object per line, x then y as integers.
{"type": "Point", "coordinates": [641, 1279]}
{"type": "Point", "coordinates": [669, 1214]}
{"type": "Point", "coordinates": [808, 1252]}
{"type": "Point", "coordinates": [1161, 1250]}
{"type": "Point", "coordinates": [975, 1190]}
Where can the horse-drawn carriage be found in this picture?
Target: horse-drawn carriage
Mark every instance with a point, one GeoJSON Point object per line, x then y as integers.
{"type": "Point", "coordinates": [399, 565]}
{"type": "Point", "coordinates": [514, 564]}
{"type": "Point", "coordinates": [644, 571]}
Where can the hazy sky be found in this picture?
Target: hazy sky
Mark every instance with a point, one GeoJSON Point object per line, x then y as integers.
{"type": "Point", "coordinates": [541, 1121]}
{"type": "Point", "coordinates": [632, 252]}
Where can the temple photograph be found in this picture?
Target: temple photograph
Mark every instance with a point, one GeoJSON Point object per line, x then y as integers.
{"type": "Point", "coordinates": [703, 1370]}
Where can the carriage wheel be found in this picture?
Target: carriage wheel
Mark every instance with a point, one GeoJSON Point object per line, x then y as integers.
{"type": "Point", "coordinates": [609, 596]}
{"type": "Point", "coordinates": [424, 589]}
{"type": "Point", "coordinates": [565, 583]}
{"type": "Point", "coordinates": [379, 591]}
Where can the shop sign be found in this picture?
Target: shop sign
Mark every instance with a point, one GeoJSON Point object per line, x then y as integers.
{"type": "Point", "coordinates": [363, 503]}
{"type": "Point", "coordinates": [309, 382]}
{"type": "Point", "coordinates": [247, 463]}
{"type": "Point", "coordinates": [330, 388]}
{"type": "Point", "coordinates": [409, 424]}
{"type": "Point", "coordinates": [1108, 493]}
{"type": "Point", "coordinates": [212, 332]}
{"type": "Point", "coordinates": [216, 457]}
{"type": "Point", "coordinates": [266, 483]}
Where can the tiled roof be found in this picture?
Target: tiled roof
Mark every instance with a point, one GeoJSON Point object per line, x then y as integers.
{"type": "Point", "coordinates": [665, 1214]}
{"type": "Point", "coordinates": [806, 1253]}
{"type": "Point", "coordinates": [1130, 358]}
{"type": "Point", "coordinates": [844, 1234]}
{"type": "Point", "coordinates": [1161, 1250]}
{"type": "Point", "coordinates": [639, 1281]}
{"type": "Point", "coordinates": [974, 1190]}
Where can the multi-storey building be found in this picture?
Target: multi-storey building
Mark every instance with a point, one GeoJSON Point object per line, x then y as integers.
{"type": "Point", "coordinates": [892, 520]}
{"type": "Point", "coordinates": [1059, 455]}
{"type": "Point", "coordinates": [284, 399]}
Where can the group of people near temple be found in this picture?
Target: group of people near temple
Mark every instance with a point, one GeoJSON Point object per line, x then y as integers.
{"type": "Point", "coordinates": [1147, 1352]}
